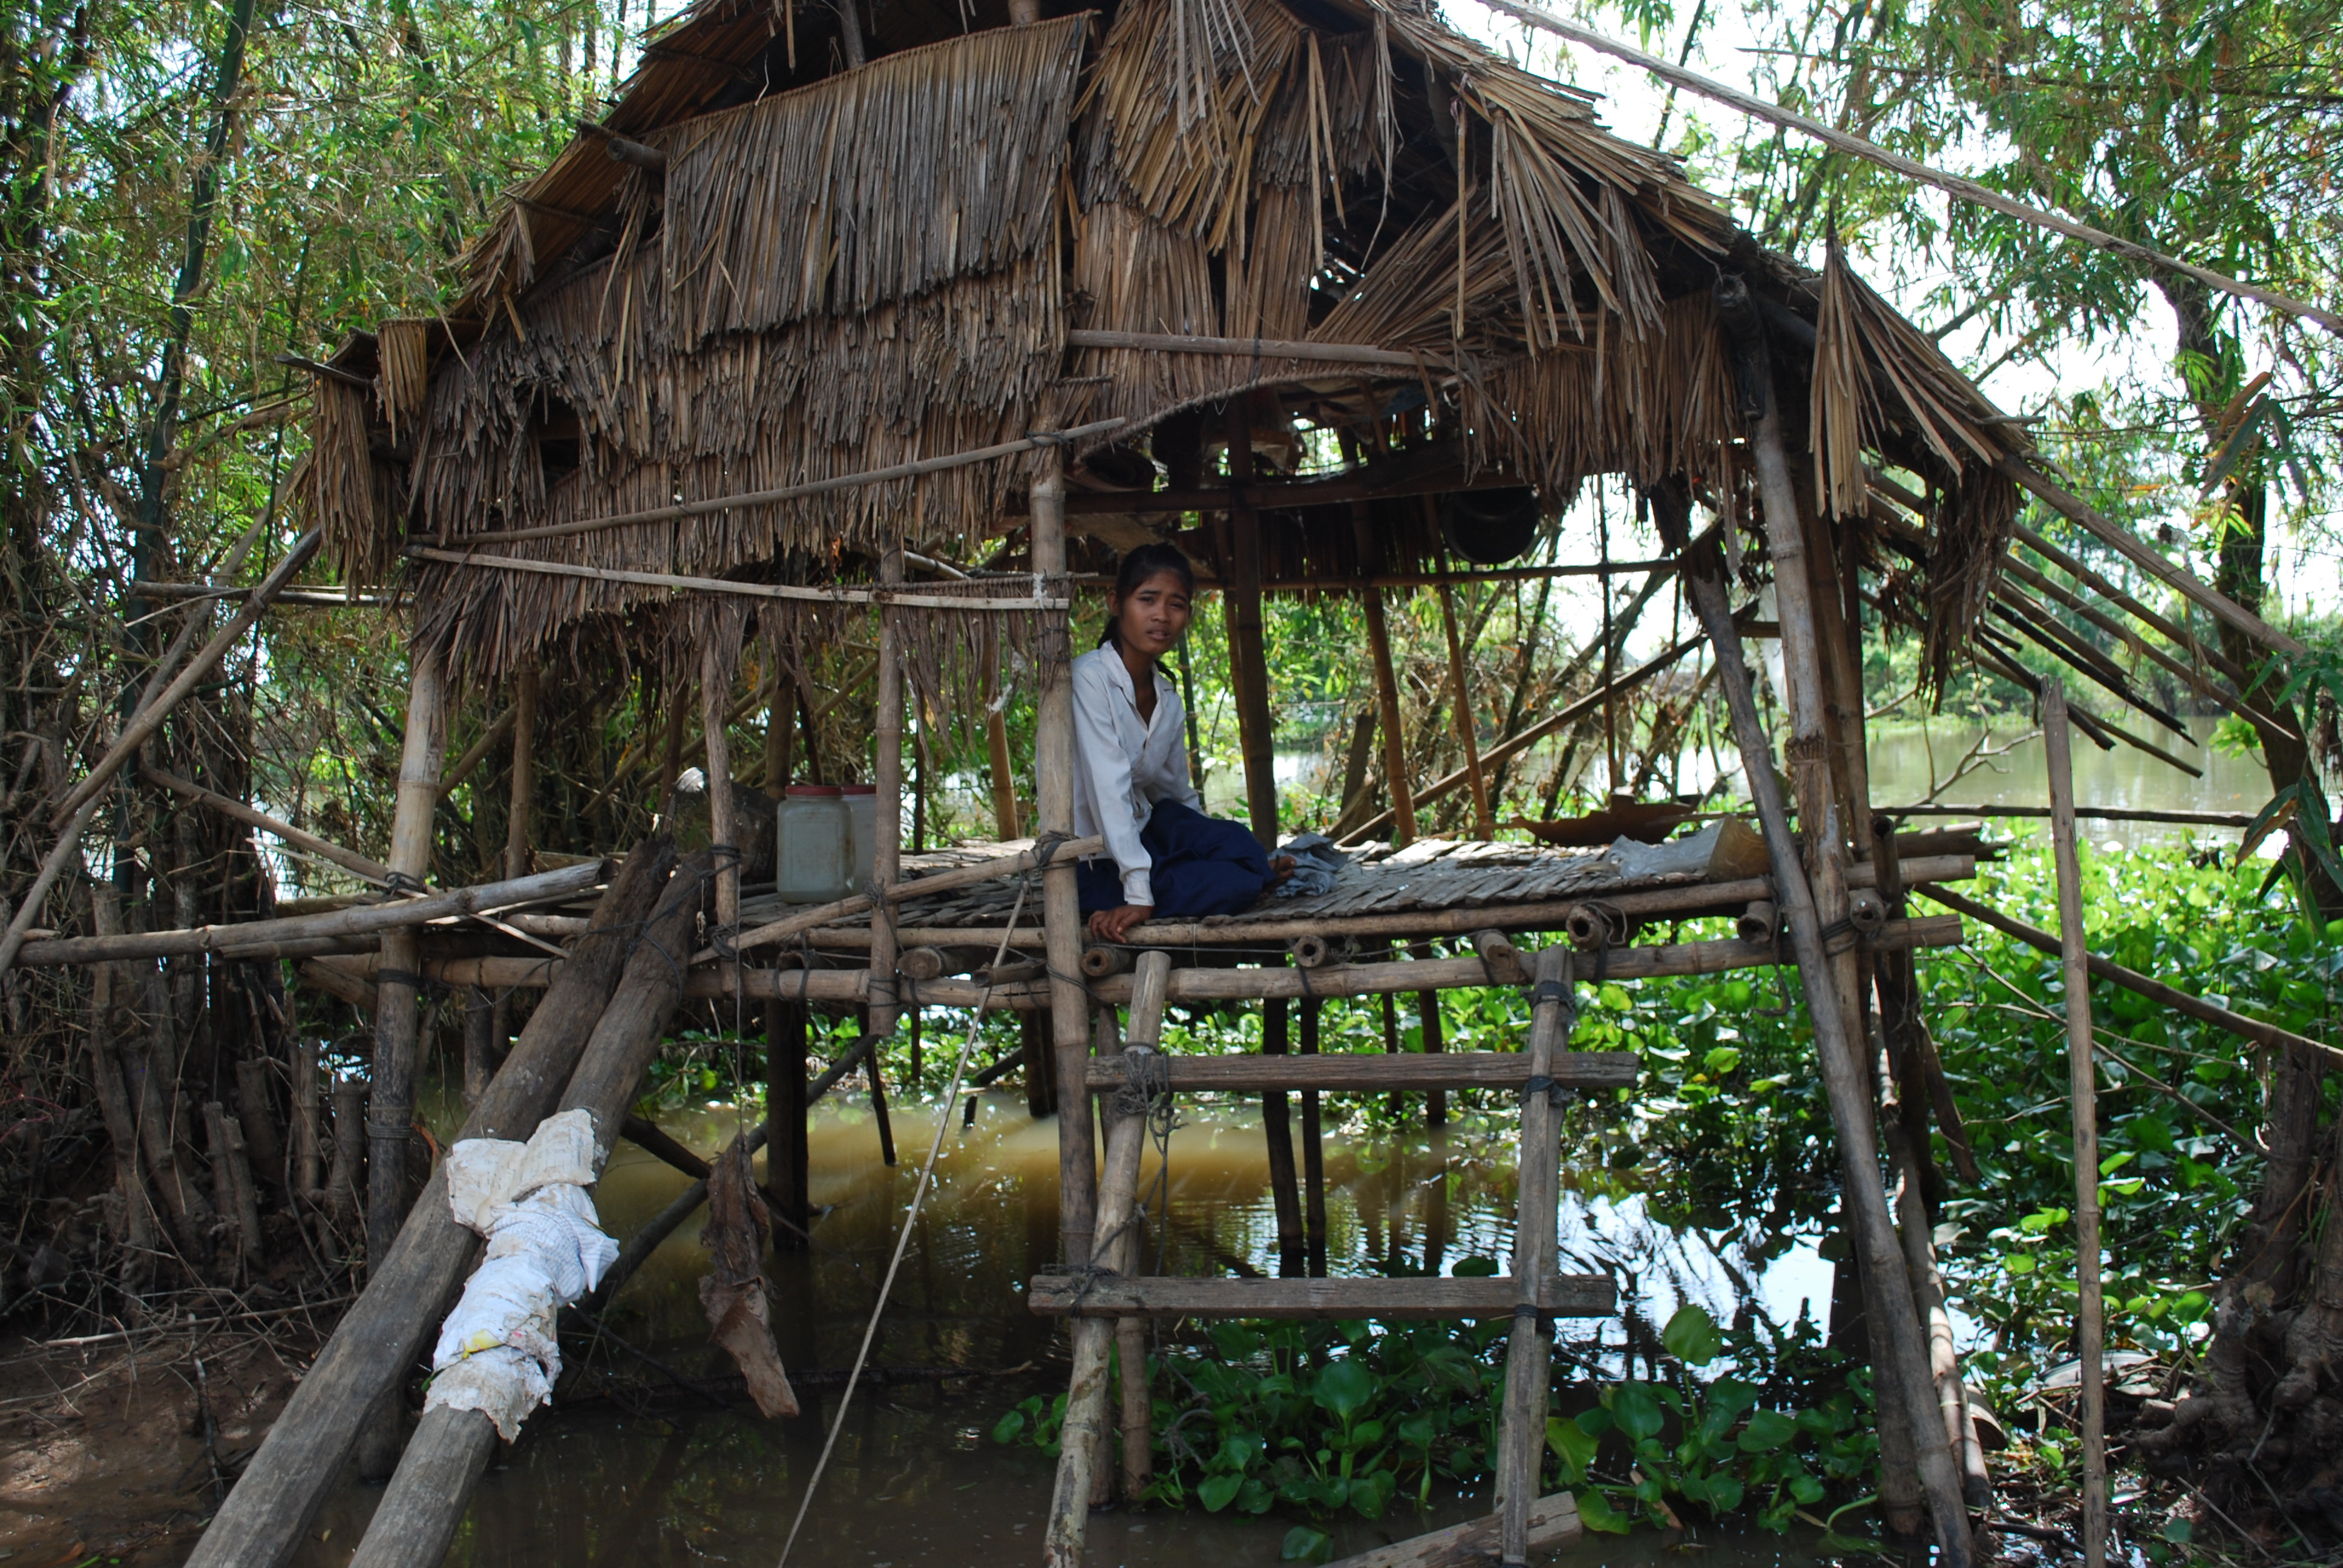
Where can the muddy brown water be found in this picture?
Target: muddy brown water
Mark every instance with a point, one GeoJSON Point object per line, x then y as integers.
{"type": "Point", "coordinates": [916, 1479]}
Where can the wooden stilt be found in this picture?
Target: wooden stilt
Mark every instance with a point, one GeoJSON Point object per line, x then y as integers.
{"type": "Point", "coordinates": [1037, 1051]}
{"type": "Point", "coordinates": [1241, 604]}
{"type": "Point", "coordinates": [1427, 1018]}
{"type": "Point", "coordinates": [1284, 1194]}
{"type": "Point", "coordinates": [1053, 787]}
{"type": "Point", "coordinates": [886, 850]}
{"type": "Point", "coordinates": [1082, 1437]}
{"type": "Point", "coordinates": [1396, 769]}
{"type": "Point", "coordinates": [524, 774]}
{"type": "Point", "coordinates": [1904, 1357]}
{"type": "Point", "coordinates": [1313, 1152]}
{"type": "Point", "coordinates": [1485, 826]}
{"type": "Point", "coordinates": [781, 722]}
{"type": "Point", "coordinates": [2090, 1326]}
{"type": "Point", "coordinates": [1521, 1437]}
{"type": "Point", "coordinates": [671, 741]}
{"type": "Point", "coordinates": [786, 1159]}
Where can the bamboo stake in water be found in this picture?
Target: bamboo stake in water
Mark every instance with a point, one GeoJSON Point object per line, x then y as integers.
{"type": "Point", "coordinates": [2089, 1327]}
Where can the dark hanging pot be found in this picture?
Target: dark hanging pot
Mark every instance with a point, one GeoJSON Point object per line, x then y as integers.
{"type": "Point", "coordinates": [1489, 527]}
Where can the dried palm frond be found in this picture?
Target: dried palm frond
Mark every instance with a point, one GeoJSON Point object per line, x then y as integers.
{"type": "Point", "coordinates": [403, 372]}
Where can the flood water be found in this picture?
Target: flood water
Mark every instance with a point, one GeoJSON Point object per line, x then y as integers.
{"type": "Point", "coordinates": [916, 1479]}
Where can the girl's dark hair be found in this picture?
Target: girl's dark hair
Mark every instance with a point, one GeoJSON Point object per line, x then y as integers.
{"type": "Point", "coordinates": [1138, 566]}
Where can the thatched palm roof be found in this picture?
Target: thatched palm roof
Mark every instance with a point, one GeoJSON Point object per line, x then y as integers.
{"type": "Point", "coordinates": [837, 272]}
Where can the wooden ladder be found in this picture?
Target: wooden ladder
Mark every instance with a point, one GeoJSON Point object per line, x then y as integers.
{"type": "Point", "coordinates": [1108, 1302]}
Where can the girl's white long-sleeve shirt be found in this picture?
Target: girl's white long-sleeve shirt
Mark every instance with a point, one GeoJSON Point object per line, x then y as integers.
{"type": "Point", "coordinates": [1124, 764]}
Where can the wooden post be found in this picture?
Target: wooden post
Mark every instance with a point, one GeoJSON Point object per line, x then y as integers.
{"type": "Point", "coordinates": [1284, 1196]}
{"type": "Point", "coordinates": [1484, 825]}
{"type": "Point", "coordinates": [2090, 1327]}
{"type": "Point", "coordinates": [1427, 1018]}
{"type": "Point", "coordinates": [1138, 1409]}
{"type": "Point", "coordinates": [1053, 788]}
{"type": "Point", "coordinates": [996, 739]}
{"type": "Point", "coordinates": [1902, 1358]}
{"type": "Point", "coordinates": [1248, 665]}
{"type": "Point", "coordinates": [1520, 1440]}
{"type": "Point", "coordinates": [390, 1109]}
{"type": "Point", "coordinates": [1371, 601]}
{"type": "Point", "coordinates": [1313, 1152]}
{"type": "Point", "coordinates": [671, 741]}
{"type": "Point", "coordinates": [1081, 1438]}
{"type": "Point", "coordinates": [887, 846]}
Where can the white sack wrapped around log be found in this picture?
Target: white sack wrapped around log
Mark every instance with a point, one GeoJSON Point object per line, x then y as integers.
{"type": "Point", "coordinates": [496, 1351]}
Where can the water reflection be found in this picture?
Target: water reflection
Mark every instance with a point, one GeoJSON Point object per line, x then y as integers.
{"type": "Point", "coordinates": [917, 1479]}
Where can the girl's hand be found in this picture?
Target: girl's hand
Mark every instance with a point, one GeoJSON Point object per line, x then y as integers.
{"type": "Point", "coordinates": [1113, 925]}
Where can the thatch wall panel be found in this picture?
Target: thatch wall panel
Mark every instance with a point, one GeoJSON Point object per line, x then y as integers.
{"type": "Point", "coordinates": [872, 186]}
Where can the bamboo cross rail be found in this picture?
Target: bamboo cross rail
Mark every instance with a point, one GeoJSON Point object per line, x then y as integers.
{"type": "Point", "coordinates": [1413, 362]}
{"type": "Point", "coordinates": [790, 591]}
{"type": "Point", "coordinates": [404, 914]}
{"type": "Point", "coordinates": [855, 987]}
{"type": "Point", "coordinates": [2097, 813]}
{"type": "Point", "coordinates": [313, 597]}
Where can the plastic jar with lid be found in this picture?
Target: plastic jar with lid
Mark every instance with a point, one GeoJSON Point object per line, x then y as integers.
{"type": "Point", "coordinates": [862, 810]}
{"type": "Point", "coordinates": [815, 839]}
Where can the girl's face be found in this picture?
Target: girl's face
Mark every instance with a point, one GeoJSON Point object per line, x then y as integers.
{"type": "Point", "coordinates": [1154, 617]}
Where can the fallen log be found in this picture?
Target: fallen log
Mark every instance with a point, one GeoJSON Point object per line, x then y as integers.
{"type": "Point", "coordinates": [361, 921]}
{"type": "Point", "coordinates": [415, 1520]}
{"type": "Point", "coordinates": [266, 1518]}
{"type": "Point", "coordinates": [1553, 1525]}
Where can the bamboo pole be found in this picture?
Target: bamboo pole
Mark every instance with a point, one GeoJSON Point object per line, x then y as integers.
{"type": "Point", "coordinates": [2180, 636]}
{"type": "Point", "coordinates": [1485, 826]}
{"type": "Point", "coordinates": [1252, 348]}
{"type": "Point", "coordinates": [684, 509]}
{"type": "Point", "coordinates": [244, 938]}
{"type": "Point", "coordinates": [373, 870]}
{"type": "Point", "coordinates": [2090, 1327]}
{"type": "Point", "coordinates": [2128, 545]}
{"type": "Point", "coordinates": [1248, 664]}
{"type": "Point", "coordinates": [1521, 1438]}
{"type": "Point", "coordinates": [887, 850]}
{"type": "Point", "coordinates": [266, 1517]}
{"type": "Point", "coordinates": [1402, 812]}
{"type": "Point", "coordinates": [391, 1076]}
{"type": "Point", "coordinates": [1844, 1075]}
{"type": "Point", "coordinates": [1062, 917]}
{"type": "Point", "coordinates": [2236, 1023]}
{"type": "Point", "coordinates": [1871, 152]}
{"type": "Point", "coordinates": [852, 986]}
{"type": "Point", "coordinates": [464, 767]}
{"type": "Point", "coordinates": [1082, 1437]}
{"type": "Point", "coordinates": [791, 592]}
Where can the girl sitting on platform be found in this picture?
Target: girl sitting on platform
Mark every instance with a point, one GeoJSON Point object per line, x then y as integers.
{"type": "Point", "coordinates": [1130, 776]}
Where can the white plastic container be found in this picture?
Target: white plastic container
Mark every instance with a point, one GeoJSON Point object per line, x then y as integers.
{"type": "Point", "coordinates": [814, 840]}
{"type": "Point", "coordinates": [862, 809]}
